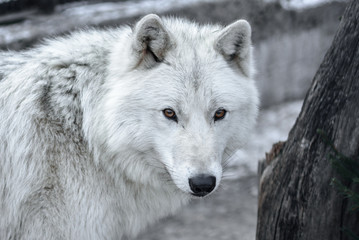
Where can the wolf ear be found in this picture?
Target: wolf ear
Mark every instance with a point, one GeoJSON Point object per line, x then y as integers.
{"type": "Point", "coordinates": [234, 43]}
{"type": "Point", "coordinates": [151, 40]}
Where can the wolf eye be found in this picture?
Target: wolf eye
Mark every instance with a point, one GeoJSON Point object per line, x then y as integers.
{"type": "Point", "coordinates": [219, 114]}
{"type": "Point", "coordinates": [170, 114]}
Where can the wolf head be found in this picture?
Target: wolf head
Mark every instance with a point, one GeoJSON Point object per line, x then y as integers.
{"type": "Point", "coordinates": [182, 97]}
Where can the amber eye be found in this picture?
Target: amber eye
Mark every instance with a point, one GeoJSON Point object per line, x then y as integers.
{"type": "Point", "coordinates": [170, 114]}
{"type": "Point", "coordinates": [220, 114]}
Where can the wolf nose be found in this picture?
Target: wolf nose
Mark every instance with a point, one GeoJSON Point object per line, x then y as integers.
{"type": "Point", "coordinates": [202, 184]}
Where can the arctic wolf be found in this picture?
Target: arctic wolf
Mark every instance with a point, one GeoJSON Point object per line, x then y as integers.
{"type": "Point", "coordinates": [104, 132]}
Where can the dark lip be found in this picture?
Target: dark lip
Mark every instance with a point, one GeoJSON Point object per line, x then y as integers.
{"type": "Point", "coordinates": [200, 195]}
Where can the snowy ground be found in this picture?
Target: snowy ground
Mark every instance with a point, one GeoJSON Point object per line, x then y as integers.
{"type": "Point", "coordinates": [125, 9]}
{"type": "Point", "coordinates": [81, 14]}
{"type": "Point", "coordinates": [302, 4]}
{"type": "Point", "coordinates": [231, 212]}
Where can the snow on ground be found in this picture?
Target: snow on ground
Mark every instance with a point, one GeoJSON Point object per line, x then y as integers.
{"type": "Point", "coordinates": [273, 125]}
{"type": "Point", "coordinates": [82, 14]}
{"type": "Point", "coordinates": [302, 4]}
{"type": "Point", "coordinates": [126, 9]}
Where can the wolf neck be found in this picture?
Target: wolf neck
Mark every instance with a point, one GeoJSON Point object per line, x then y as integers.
{"type": "Point", "coordinates": [148, 194]}
{"type": "Point", "coordinates": [137, 188]}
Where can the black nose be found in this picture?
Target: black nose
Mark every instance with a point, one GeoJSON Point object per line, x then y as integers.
{"type": "Point", "coordinates": [202, 184]}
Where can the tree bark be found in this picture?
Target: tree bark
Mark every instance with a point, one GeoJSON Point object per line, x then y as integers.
{"type": "Point", "coordinates": [296, 200]}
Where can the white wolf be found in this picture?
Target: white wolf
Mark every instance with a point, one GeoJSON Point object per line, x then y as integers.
{"type": "Point", "coordinates": [103, 132]}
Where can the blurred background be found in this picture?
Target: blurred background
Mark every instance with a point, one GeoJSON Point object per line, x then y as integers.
{"type": "Point", "coordinates": [290, 39]}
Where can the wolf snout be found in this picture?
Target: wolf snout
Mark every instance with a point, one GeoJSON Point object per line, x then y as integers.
{"type": "Point", "coordinates": [202, 184]}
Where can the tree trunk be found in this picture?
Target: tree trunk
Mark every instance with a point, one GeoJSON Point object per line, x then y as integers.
{"type": "Point", "coordinates": [296, 200]}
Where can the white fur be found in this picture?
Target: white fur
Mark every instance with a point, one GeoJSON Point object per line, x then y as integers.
{"type": "Point", "coordinates": [85, 150]}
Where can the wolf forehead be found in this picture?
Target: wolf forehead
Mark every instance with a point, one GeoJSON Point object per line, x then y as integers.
{"type": "Point", "coordinates": [191, 38]}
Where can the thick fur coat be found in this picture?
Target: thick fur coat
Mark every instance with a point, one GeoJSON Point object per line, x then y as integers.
{"type": "Point", "coordinates": [102, 131]}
